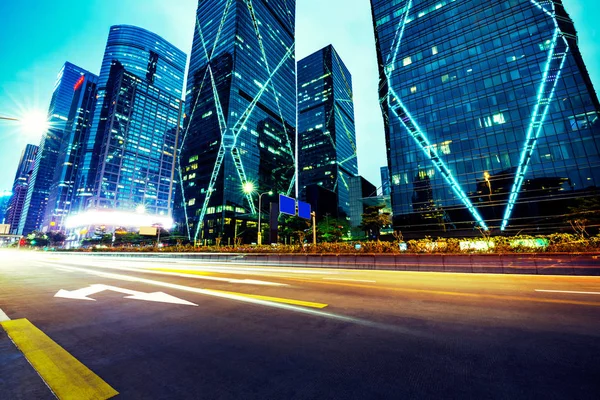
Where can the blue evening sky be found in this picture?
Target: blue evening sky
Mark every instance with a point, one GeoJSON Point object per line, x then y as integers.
{"type": "Point", "coordinates": [38, 36]}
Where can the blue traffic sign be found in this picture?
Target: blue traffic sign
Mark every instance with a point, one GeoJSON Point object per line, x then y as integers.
{"type": "Point", "coordinates": [304, 210]}
{"type": "Point", "coordinates": [287, 205]}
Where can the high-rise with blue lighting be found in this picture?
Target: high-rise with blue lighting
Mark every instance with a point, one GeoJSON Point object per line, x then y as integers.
{"type": "Point", "coordinates": [137, 152]}
{"type": "Point", "coordinates": [239, 130]}
{"type": "Point", "coordinates": [20, 185]}
{"type": "Point", "coordinates": [326, 129]}
{"type": "Point", "coordinates": [150, 58]}
{"type": "Point", "coordinates": [47, 155]}
{"type": "Point", "coordinates": [5, 197]}
{"type": "Point", "coordinates": [61, 198]}
{"type": "Point", "coordinates": [491, 118]}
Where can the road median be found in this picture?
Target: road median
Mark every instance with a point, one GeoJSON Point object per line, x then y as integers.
{"type": "Point", "coordinates": [530, 263]}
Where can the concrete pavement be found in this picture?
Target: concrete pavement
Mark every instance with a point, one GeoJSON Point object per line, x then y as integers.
{"type": "Point", "coordinates": [291, 333]}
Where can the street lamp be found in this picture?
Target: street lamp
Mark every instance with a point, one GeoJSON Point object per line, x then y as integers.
{"type": "Point", "coordinates": [33, 122]}
{"type": "Point", "coordinates": [250, 189]}
{"type": "Point", "coordinates": [270, 193]}
{"type": "Point", "coordinates": [486, 176]}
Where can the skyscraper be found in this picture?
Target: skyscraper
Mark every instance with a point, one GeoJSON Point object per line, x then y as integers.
{"type": "Point", "coordinates": [491, 118]}
{"type": "Point", "coordinates": [62, 199]}
{"type": "Point", "coordinates": [326, 130]}
{"type": "Point", "coordinates": [360, 188]}
{"type": "Point", "coordinates": [47, 155]}
{"type": "Point", "coordinates": [239, 130]}
{"type": "Point", "coordinates": [386, 185]}
{"type": "Point", "coordinates": [20, 186]}
{"type": "Point", "coordinates": [5, 197]}
{"type": "Point", "coordinates": [137, 152]}
{"type": "Point", "coordinates": [149, 57]}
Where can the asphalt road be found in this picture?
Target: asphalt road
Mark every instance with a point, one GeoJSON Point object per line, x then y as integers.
{"type": "Point", "coordinates": [248, 332]}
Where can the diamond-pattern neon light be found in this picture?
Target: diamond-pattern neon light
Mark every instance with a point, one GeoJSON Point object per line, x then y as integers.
{"type": "Point", "coordinates": [402, 114]}
{"type": "Point", "coordinates": [554, 65]}
{"type": "Point", "coordinates": [230, 130]}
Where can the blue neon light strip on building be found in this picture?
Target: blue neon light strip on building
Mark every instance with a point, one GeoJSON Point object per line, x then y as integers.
{"type": "Point", "coordinates": [409, 123]}
{"type": "Point", "coordinates": [556, 60]}
{"type": "Point", "coordinates": [229, 134]}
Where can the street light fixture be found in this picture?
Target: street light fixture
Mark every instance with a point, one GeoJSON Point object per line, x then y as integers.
{"type": "Point", "coordinates": [486, 176]}
{"type": "Point", "coordinates": [270, 193]}
{"type": "Point", "coordinates": [250, 189]}
{"type": "Point", "coordinates": [32, 122]}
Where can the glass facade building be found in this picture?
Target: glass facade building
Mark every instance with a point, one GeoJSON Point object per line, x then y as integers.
{"type": "Point", "coordinates": [4, 204]}
{"type": "Point", "coordinates": [147, 56]}
{"type": "Point", "coordinates": [47, 155]}
{"type": "Point", "coordinates": [62, 199]}
{"type": "Point", "coordinates": [239, 129]}
{"type": "Point", "coordinates": [360, 188]}
{"type": "Point", "coordinates": [20, 185]}
{"type": "Point", "coordinates": [326, 129]}
{"type": "Point", "coordinates": [138, 147]}
{"type": "Point", "coordinates": [386, 184]}
{"type": "Point", "coordinates": [491, 118]}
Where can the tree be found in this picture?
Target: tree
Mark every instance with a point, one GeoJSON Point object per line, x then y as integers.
{"type": "Point", "coordinates": [37, 239]}
{"type": "Point", "coordinates": [584, 213]}
{"type": "Point", "coordinates": [56, 238]}
{"type": "Point", "coordinates": [373, 220]}
{"type": "Point", "coordinates": [332, 229]}
{"type": "Point", "coordinates": [294, 227]}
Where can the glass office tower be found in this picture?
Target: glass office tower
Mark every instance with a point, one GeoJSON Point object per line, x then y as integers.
{"type": "Point", "coordinates": [326, 130]}
{"type": "Point", "coordinates": [20, 185]}
{"type": "Point", "coordinates": [47, 155]}
{"type": "Point", "coordinates": [5, 197]}
{"type": "Point", "coordinates": [491, 118]}
{"type": "Point", "coordinates": [239, 130]}
{"type": "Point", "coordinates": [62, 197]}
{"type": "Point", "coordinates": [139, 141]}
{"type": "Point", "coordinates": [386, 185]}
{"type": "Point", "coordinates": [147, 56]}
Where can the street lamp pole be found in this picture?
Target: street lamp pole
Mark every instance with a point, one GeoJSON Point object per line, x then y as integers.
{"type": "Point", "coordinates": [9, 119]}
{"type": "Point", "coordinates": [259, 241]}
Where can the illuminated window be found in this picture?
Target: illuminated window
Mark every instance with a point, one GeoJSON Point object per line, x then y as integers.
{"type": "Point", "coordinates": [499, 119]}
{"type": "Point", "coordinates": [407, 61]}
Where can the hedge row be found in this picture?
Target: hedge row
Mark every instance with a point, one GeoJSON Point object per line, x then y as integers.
{"type": "Point", "coordinates": [556, 243]}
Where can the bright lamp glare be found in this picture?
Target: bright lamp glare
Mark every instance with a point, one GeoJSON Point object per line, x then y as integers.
{"type": "Point", "coordinates": [34, 122]}
{"type": "Point", "coordinates": [248, 187]}
{"type": "Point", "coordinates": [118, 218]}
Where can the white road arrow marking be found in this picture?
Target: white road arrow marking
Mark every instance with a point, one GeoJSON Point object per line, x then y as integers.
{"type": "Point", "coordinates": [82, 294]}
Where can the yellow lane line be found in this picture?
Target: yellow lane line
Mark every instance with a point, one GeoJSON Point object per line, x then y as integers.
{"type": "Point", "coordinates": [458, 294]}
{"type": "Point", "coordinates": [269, 298]}
{"type": "Point", "coordinates": [64, 374]}
{"type": "Point", "coordinates": [406, 290]}
{"type": "Point", "coordinates": [251, 296]}
{"type": "Point", "coordinates": [181, 271]}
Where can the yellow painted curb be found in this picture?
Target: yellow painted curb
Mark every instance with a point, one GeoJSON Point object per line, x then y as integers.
{"type": "Point", "coordinates": [64, 374]}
